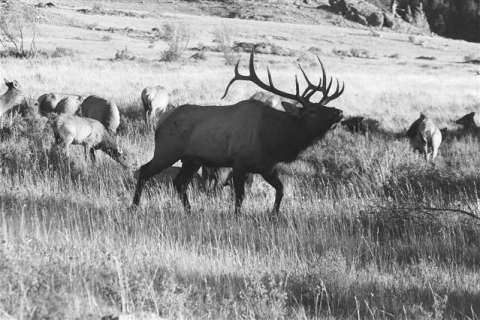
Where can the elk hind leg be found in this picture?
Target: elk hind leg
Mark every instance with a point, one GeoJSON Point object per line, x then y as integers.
{"type": "Point", "coordinates": [181, 181]}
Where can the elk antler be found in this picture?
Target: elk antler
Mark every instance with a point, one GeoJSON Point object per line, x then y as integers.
{"type": "Point", "coordinates": [252, 76]}
{"type": "Point", "coordinates": [322, 87]}
{"type": "Point", "coordinates": [307, 93]}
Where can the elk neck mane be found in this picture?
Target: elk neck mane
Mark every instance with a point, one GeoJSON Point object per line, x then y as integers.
{"type": "Point", "coordinates": [284, 135]}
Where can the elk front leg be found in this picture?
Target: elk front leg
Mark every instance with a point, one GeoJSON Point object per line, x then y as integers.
{"type": "Point", "coordinates": [147, 171]}
{"type": "Point", "coordinates": [273, 179]}
{"type": "Point", "coordinates": [239, 177]}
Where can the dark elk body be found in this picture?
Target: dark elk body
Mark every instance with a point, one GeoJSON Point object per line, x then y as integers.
{"type": "Point", "coordinates": [249, 137]}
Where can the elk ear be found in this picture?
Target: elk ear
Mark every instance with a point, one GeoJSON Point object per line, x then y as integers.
{"type": "Point", "coordinates": [471, 114]}
{"type": "Point", "coordinates": [290, 108]}
{"type": "Point", "coordinates": [15, 84]}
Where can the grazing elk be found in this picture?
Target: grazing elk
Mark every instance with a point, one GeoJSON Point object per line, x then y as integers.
{"type": "Point", "coordinates": [155, 99]}
{"type": "Point", "coordinates": [468, 123]}
{"type": "Point", "coordinates": [249, 136]}
{"type": "Point", "coordinates": [425, 137]}
{"type": "Point", "coordinates": [13, 99]}
{"type": "Point", "coordinates": [71, 129]}
{"type": "Point", "coordinates": [102, 110]}
{"type": "Point", "coordinates": [69, 105]}
{"type": "Point", "coordinates": [359, 124]}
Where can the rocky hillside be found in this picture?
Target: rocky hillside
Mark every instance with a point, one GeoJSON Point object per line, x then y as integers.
{"type": "Point", "coordinates": [458, 19]}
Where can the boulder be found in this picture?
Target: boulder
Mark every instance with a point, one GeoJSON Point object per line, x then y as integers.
{"type": "Point", "coordinates": [359, 11]}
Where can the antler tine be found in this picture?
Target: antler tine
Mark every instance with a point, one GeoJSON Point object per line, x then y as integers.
{"type": "Point", "coordinates": [236, 77]}
{"type": "Point", "coordinates": [325, 89]}
{"type": "Point", "coordinates": [297, 87]}
{"type": "Point", "coordinates": [254, 78]}
{"type": "Point", "coordinates": [269, 77]}
{"type": "Point", "coordinates": [310, 85]}
{"type": "Point", "coordinates": [338, 92]}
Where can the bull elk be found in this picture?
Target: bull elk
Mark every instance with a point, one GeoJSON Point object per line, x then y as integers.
{"type": "Point", "coordinates": [249, 136]}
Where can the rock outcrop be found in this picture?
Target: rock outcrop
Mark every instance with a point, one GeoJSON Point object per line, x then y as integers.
{"type": "Point", "coordinates": [360, 11]}
{"type": "Point", "coordinates": [459, 19]}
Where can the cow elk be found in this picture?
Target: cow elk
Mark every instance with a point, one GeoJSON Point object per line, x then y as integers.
{"type": "Point", "coordinates": [468, 123]}
{"type": "Point", "coordinates": [425, 137]}
{"type": "Point", "coordinates": [359, 124]}
{"type": "Point", "coordinates": [71, 129]}
{"type": "Point", "coordinates": [103, 110]}
{"type": "Point", "coordinates": [155, 100]}
{"type": "Point", "coordinates": [271, 100]}
{"type": "Point", "coordinates": [13, 99]}
{"type": "Point", "coordinates": [249, 136]}
{"type": "Point", "coordinates": [69, 105]}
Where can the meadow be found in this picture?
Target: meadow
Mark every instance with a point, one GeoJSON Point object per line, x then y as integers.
{"type": "Point", "coordinates": [368, 229]}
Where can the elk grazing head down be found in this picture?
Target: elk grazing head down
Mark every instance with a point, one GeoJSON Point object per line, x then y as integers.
{"type": "Point", "coordinates": [249, 136]}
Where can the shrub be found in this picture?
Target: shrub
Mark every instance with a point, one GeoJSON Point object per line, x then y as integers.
{"type": "Point", "coordinates": [353, 52]}
{"type": "Point", "coordinates": [471, 58]}
{"type": "Point", "coordinates": [62, 52]}
{"type": "Point", "coordinates": [17, 23]}
{"type": "Point", "coordinates": [178, 38]}
{"type": "Point", "coordinates": [224, 41]}
{"type": "Point", "coordinates": [124, 54]}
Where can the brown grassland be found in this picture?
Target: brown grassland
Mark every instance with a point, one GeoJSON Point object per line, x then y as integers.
{"type": "Point", "coordinates": [355, 239]}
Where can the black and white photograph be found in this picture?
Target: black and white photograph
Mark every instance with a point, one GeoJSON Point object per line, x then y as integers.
{"type": "Point", "coordinates": [239, 159]}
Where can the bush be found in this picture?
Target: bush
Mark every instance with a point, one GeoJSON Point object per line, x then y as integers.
{"type": "Point", "coordinates": [178, 38]}
{"type": "Point", "coordinates": [223, 39]}
{"type": "Point", "coordinates": [17, 23]}
{"type": "Point", "coordinates": [62, 52]}
{"type": "Point", "coordinates": [353, 53]}
{"type": "Point", "coordinates": [124, 54]}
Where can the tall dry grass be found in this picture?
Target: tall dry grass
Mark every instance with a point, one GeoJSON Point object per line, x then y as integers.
{"type": "Point", "coordinates": [353, 240]}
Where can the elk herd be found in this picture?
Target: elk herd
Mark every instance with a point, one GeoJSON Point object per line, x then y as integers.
{"type": "Point", "coordinates": [228, 143]}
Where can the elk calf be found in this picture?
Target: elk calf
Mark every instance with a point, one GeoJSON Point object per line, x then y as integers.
{"type": "Point", "coordinates": [155, 99]}
{"type": "Point", "coordinates": [71, 129]}
{"type": "Point", "coordinates": [425, 137]}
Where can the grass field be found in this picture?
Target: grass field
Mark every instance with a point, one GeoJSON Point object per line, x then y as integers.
{"type": "Point", "coordinates": [354, 240]}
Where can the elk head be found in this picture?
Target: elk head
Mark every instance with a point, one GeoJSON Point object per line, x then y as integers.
{"type": "Point", "coordinates": [467, 121]}
{"type": "Point", "coordinates": [12, 84]}
{"type": "Point", "coordinates": [316, 116]}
